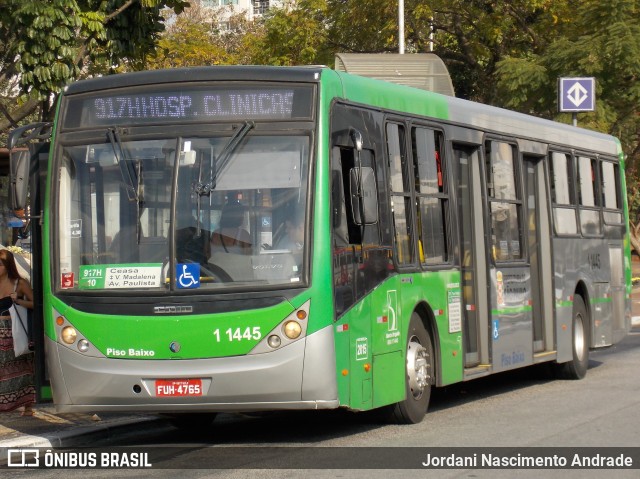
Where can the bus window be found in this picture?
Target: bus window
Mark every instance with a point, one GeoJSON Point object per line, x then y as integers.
{"type": "Point", "coordinates": [400, 192]}
{"type": "Point", "coordinates": [504, 200]}
{"type": "Point", "coordinates": [564, 214]}
{"type": "Point", "coordinates": [338, 205]}
{"type": "Point", "coordinates": [589, 211]}
{"type": "Point", "coordinates": [431, 197]}
{"type": "Point", "coordinates": [611, 193]}
{"type": "Point", "coordinates": [359, 261]}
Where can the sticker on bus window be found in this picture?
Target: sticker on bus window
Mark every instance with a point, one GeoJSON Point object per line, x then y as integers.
{"type": "Point", "coordinates": [66, 280]}
{"type": "Point", "coordinates": [188, 275]}
{"type": "Point", "coordinates": [499, 288]}
{"type": "Point", "coordinates": [75, 229]}
{"type": "Point", "coordinates": [100, 276]}
{"type": "Point", "coordinates": [454, 307]}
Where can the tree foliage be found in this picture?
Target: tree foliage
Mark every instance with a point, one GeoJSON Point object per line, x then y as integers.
{"type": "Point", "coordinates": [472, 36]}
{"type": "Point", "coordinates": [294, 35]}
{"type": "Point", "coordinates": [508, 54]}
{"type": "Point", "coordinates": [601, 41]}
{"type": "Point", "coordinates": [48, 44]}
{"type": "Point", "coordinates": [199, 36]}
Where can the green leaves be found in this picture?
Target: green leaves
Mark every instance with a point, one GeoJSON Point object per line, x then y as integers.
{"type": "Point", "coordinates": [55, 40]}
{"type": "Point", "coordinates": [48, 44]}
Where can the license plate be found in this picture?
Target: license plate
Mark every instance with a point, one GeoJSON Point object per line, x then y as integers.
{"type": "Point", "coordinates": [178, 387]}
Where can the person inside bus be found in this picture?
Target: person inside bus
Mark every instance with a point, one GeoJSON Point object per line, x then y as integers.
{"type": "Point", "coordinates": [189, 245]}
{"type": "Point", "coordinates": [293, 241]}
{"type": "Point", "coordinates": [231, 237]}
{"type": "Point", "coordinates": [16, 373]}
{"type": "Point", "coordinates": [294, 237]}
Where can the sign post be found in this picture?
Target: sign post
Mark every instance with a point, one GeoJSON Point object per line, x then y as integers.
{"type": "Point", "coordinates": [576, 95]}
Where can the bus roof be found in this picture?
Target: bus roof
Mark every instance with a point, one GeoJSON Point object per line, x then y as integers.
{"type": "Point", "coordinates": [467, 113]}
{"type": "Point", "coordinates": [379, 94]}
{"type": "Point", "coordinates": [196, 74]}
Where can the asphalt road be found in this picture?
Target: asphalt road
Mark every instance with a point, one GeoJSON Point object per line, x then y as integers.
{"type": "Point", "coordinates": [520, 409]}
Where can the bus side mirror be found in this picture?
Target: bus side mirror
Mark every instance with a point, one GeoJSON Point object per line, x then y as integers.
{"type": "Point", "coordinates": [19, 166]}
{"type": "Point", "coordinates": [27, 145]}
{"type": "Point", "coordinates": [364, 195]}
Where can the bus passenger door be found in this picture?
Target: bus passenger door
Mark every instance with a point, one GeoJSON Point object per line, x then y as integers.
{"type": "Point", "coordinates": [473, 256]}
{"type": "Point", "coordinates": [539, 236]}
{"type": "Point", "coordinates": [511, 324]}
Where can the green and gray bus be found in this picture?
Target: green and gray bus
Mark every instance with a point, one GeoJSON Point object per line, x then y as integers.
{"type": "Point", "coordinates": [266, 238]}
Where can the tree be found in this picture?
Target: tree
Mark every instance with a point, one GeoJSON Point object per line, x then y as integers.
{"type": "Point", "coordinates": [602, 41]}
{"type": "Point", "coordinates": [294, 35]}
{"type": "Point", "coordinates": [189, 40]}
{"type": "Point", "coordinates": [506, 54]}
{"type": "Point", "coordinates": [48, 44]}
{"type": "Point", "coordinates": [471, 36]}
{"type": "Point", "coordinates": [199, 37]}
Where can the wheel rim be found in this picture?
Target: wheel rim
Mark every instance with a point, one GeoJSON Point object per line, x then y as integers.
{"type": "Point", "coordinates": [417, 367]}
{"type": "Point", "coordinates": [578, 337]}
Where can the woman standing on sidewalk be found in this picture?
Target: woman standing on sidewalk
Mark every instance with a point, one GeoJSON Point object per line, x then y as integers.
{"type": "Point", "coordinates": [16, 374]}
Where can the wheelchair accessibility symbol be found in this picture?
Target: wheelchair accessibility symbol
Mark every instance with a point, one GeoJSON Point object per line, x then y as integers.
{"type": "Point", "coordinates": [188, 275]}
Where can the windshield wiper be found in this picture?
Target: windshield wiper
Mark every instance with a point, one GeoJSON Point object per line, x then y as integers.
{"type": "Point", "coordinates": [131, 175]}
{"type": "Point", "coordinates": [223, 159]}
{"type": "Point", "coordinates": [127, 168]}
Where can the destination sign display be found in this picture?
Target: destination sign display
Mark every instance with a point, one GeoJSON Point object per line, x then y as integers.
{"type": "Point", "coordinates": [180, 104]}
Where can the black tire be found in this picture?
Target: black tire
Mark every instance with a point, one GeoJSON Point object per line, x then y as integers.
{"type": "Point", "coordinates": [577, 367]}
{"type": "Point", "coordinates": [419, 375]}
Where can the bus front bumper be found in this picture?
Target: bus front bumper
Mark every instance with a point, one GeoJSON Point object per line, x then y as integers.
{"type": "Point", "coordinates": [299, 376]}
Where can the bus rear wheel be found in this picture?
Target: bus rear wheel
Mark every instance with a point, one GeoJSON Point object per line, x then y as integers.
{"type": "Point", "coordinates": [577, 367]}
{"type": "Point", "coordinates": [419, 370]}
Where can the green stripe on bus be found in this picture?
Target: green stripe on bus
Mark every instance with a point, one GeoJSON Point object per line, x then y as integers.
{"type": "Point", "coordinates": [511, 310]}
{"type": "Point", "coordinates": [564, 304]}
{"type": "Point", "coordinates": [600, 300]}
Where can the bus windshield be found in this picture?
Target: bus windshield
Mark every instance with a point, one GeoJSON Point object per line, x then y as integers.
{"type": "Point", "coordinates": [182, 213]}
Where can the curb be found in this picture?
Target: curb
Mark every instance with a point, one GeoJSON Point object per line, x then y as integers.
{"type": "Point", "coordinates": [82, 435]}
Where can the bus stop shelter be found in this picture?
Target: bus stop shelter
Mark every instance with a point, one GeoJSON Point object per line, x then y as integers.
{"type": "Point", "coordinates": [426, 71]}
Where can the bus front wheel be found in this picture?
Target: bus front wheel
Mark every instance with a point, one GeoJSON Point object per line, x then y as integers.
{"type": "Point", "coordinates": [418, 374]}
{"type": "Point", "coordinates": [577, 367]}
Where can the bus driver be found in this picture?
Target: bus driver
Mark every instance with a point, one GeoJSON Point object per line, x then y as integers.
{"type": "Point", "coordinates": [230, 236]}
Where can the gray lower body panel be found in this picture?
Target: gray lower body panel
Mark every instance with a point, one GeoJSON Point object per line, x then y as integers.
{"type": "Point", "coordinates": [299, 376]}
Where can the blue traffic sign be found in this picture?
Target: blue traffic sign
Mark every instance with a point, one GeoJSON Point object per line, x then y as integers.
{"type": "Point", "coordinates": [577, 94]}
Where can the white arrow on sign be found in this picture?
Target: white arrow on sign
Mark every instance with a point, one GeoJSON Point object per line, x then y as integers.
{"type": "Point", "coordinates": [577, 94]}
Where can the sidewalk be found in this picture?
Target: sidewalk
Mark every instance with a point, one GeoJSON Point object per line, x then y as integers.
{"type": "Point", "coordinates": [48, 429]}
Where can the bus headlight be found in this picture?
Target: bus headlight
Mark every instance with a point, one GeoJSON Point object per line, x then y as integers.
{"type": "Point", "coordinates": [292, 329]}
{"type": "Point", "coordinates": [69, 334]}
{"type": "Point", "coordinates": [274, 341]}
{"type": "Point", "coordinates": [83, 345]}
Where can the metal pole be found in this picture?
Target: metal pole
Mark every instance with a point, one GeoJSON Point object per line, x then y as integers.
{"type": "Point", "coordinates": [431, 35]}
{"type": "Point", "coordinates": [401, 24]}
{"type": "Point", "coordinates": [575, 119]}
